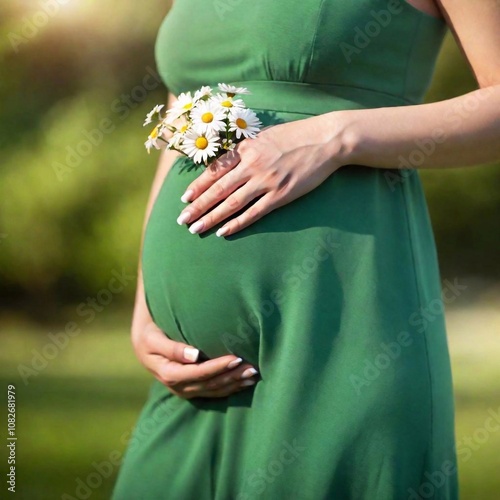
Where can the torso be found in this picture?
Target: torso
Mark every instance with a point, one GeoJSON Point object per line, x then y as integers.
{"type": "Point", "coordinates": [310, 58]}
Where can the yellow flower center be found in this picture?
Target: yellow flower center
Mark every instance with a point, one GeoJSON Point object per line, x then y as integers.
{"type": "Point", "coordinates": [241, 123]}
{"type": "Point", "coordinates": [201, 142]}
{"type": "Point", "coordinates": [154, 133]}
{"type": "Point", "coordinates": [183, 128]}
{"type": "Point", "coordinates": [227, 104]}
{"type": "Point", "coordinates": [207, 117]}
{"type": "Point", "coordinates": [189, 105]}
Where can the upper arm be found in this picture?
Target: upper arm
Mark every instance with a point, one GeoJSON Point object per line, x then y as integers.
{"type": "Point", "coordinates": [475, 26]}
{"type": "Point", "coordinates": [165, 161]}
{"type": "Point", "coordinates": [171, 98]}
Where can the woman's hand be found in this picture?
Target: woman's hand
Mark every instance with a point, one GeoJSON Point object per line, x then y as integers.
{"type": "Point", "coordinates": [281, 164]}
{"type": "Point", "coordinates": [174, 365]}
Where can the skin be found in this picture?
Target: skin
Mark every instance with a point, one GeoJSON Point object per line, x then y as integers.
{"type": "Point", "coordinates": [166, 359]}
{"type": "Point", "coordinates": [289, 160]}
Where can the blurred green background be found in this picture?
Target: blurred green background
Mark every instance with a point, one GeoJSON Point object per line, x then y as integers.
{"type": "Point", "coordinates": [71, 216]}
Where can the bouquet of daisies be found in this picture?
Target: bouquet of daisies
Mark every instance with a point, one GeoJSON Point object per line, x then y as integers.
{"type": "Point", "coordinates": [204, 125]}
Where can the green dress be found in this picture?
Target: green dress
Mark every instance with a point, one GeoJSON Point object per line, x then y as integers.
{"type": "Point", "coordinates": [335, 297]}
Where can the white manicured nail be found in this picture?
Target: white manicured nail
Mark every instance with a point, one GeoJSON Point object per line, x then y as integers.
{"type": "Point", "coordinates": [234, 363]}
{"type": "Point", "coordinates": [222, 231]}
{"type": "Point", "coordinates": [197, 226]}
{"type": "Point", "coordinates": [249, 372]}
{"type": "Point", "coordinates": [185, 198]}
{"type": "Point", "coordinates": [246, 383]}
{"type": "Point", "coordinates": [191, 353]}
{"type": "Point", "coordinates": [183, 218]}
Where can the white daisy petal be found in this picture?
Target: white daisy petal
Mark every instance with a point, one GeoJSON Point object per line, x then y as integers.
{"type": "Point", "coordinates": [244, 122]}
{"type": "Point", "coordinates": [205, 91]}
{"type": "Point", "coordinates": [227, 102]}
{"type": "Point", "coordinates": [177, 138]}
{"type": "Point", "coordinates": [232, 90]}
{"type": "Point", "coordinates": [153, 138]}
{"type": "Point", "coordinates": [154, 113]}
{"type": "Point", "coordinates": [184, 104]}
{"type": "Point", "coordinates": [200, 145]}
{"type": "Point", "coordinates": [208, 115]}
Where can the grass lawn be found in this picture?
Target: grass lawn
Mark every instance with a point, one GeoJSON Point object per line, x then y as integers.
{"type": "Point", "coordinates": [77, 412]}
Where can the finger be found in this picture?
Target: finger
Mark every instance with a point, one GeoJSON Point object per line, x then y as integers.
{"type": "Point", "coordinates": [210, 175]}
{"type": "Point", "coordinates": [222, 391]}
{"type": "Point", "coordinates": [220, 190]}
{"type": "Point", "coordinates": [173, 373]}
{"type": "Point", "coordinates": [260, 208]}
{"type": "Point", "coordinates": [243, 372]}
{"type": "Point", "coordinates": [237, 200]}
{"type": "Point", "coordinates": [220, 382]}
{"type": "Point", "coordinates": [159, 343]}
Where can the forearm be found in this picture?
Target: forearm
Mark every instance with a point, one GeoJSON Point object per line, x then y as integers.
{"type": "Point", "coordinates": [141, 317]}
{"type": "Point", "coordinates": [461, 131]}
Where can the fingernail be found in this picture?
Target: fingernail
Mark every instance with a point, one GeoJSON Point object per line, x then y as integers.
{"type": "Point", "coordinates": [197, 226]}
{"type": "Point", "coordinates": [191, 353]}
{"type": "Point", "coordinates": [222, 231]}
{"type": "Point", "coordinates": [234, 363]}
{"type": "Point", "coordinates": [246, 383]}
{"type": "Point", "coordinates": [185, 198]}
{"type": "Point", "coordinates": [183, 218]}
{"type": "Point", "coordinates": [249, 372]}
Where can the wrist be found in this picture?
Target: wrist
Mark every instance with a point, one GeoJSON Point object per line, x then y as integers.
{"type": "Point", "coordinates": [340, 137]}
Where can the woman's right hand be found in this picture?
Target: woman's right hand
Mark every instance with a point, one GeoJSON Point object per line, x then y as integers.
{"type": "Point", "coordinates": [175, 365]}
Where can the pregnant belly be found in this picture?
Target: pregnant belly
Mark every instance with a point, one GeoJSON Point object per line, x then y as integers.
{"type": "Point", "coordinates": [229, 295]}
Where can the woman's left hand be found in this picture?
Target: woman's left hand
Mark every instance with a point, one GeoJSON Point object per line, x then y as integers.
{"type": "Point", "coordinates": [281, 164]}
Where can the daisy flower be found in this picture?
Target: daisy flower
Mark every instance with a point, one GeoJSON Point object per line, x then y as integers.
{"type": "Point", "coordinates": [231, 90]}
{"type": "Point", "coordinates": [175, 141]}
{"type": "Point", "coordinates": [184, 103]}
{"type": "Point", "coordinates": [154, 137]}
{"type": "Point", "coordinates": [208, 115]}
{"type": "Point", "coordinates": [203, 92]}
{"type": "Point", "coordinates": [228, 144]}
{"type": "Point", "coordinates": [228, 102]}
{"type": "Point", "coordinates": [200, 145]}
{"type": "Point", "coordinates": [155, 113]}
{"type": "Point", "coordinates": [244, 122]}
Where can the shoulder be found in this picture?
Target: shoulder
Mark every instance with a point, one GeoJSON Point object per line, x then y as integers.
{"type": "Point", "coordinates": [475, 28]}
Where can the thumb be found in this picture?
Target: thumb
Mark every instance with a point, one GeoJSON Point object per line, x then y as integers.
{"type": "Point", "coordinates": [173, 350]}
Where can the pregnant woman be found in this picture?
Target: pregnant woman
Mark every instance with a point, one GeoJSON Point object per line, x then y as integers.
{"type": "Point", "coordinates": [286, 317]}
